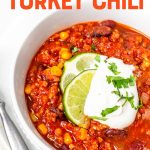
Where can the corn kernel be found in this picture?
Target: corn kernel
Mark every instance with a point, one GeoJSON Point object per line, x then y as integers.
{"type": "Point", "coordinates": [83, 134]}
{"type": "Point", "coordinates": [67, 139]}
{"type": "Point", "coordinates": [33, 117]}
{"type": "Point", "coordinates": [47, 72]}
{"type": "Point", "coordinates": [58, 132]}
{"type": "Point", "coordinates": [60, 107]}
{"type": "Point", "coordinates": [64, 35]}
{"type": "Point", "coordinates": [56, 71]}
{"type": "Point", "coordinates": [145, 64]}
{"type": "Point", "coordinates": [66, 55]}
{"type": "Point", "coordinates": [28, 89]}
{"type": "Point", "coordinates": [63, 50]}
{"type": "Point", "coordinates": [61, 65]}
{"type": "Point", "coordinates": [42, 129]}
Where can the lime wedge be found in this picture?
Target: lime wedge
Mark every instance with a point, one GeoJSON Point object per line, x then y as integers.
{"type": "Point", "coordinates": [75, 66]}
{"type": "Point", "coordinates": [74, 98]}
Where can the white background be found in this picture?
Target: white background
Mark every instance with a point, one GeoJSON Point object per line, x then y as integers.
{"type": "Point", "coordinates": [9, 20]}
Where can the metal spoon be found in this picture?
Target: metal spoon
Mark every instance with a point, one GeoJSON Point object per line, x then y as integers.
{"type": "Point", "coordinates": [14, 138]}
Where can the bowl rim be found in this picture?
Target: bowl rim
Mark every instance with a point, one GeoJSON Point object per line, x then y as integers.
{"type": "Point", "coordinates": [22, 124]}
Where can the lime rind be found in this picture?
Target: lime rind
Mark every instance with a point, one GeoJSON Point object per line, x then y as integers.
{"type": "Point", "coordinates": [75, 66]}
{"type": "Point", "coordinates": [75, 95]}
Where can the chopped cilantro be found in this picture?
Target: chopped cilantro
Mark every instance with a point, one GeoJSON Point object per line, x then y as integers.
{"type": "Point", "coordinates": [96, 65]}
{"type": "Point", "coordinates": [117, 93]}
{"type": "Point", "coordinates": [140, 105]}
{"type": "Point", "coordinates": [93, 47]}
{"type": "Point", "coordinates": [105, 61]}
{"type": "Point", "coordinates": [107, 111]}
{"type": "Point", "coordinates": [132, 81]}
{"type": "Point", "coordinates": [130, 100]}
{"type": "Point", "coordinates": [97, 58]}
{"type": "Point", "coordinates": [74, 49]}
{"type": "Point", "coordinates": [98, 118]}
{"type": "Point", "coordinates": [113, 67]}
{"type": "Point", "coordinates": [120, 82]}
{"type": "Point", "coordinates": [126, 98]}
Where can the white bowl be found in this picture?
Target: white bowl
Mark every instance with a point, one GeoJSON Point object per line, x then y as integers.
{"type": "Point", "coordinates": [53, 23]}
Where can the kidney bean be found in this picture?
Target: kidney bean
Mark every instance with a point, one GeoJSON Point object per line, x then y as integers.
{"type": "Point", "coordinates": [112, 133]}
{"type": "Point", "coordinates": [57, 112]}
{"type": "Point", "coordinates": [108, 23]}
{"type": "Point", "coordinates": [136, 145]}
{"type": "Point", "coordinates": [101, 31]}
{"type": "Point", "coordinates": [64, 147]}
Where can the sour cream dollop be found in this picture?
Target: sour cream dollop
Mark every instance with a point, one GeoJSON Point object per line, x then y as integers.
{"type": "Point", "coordinates": [102, 97]}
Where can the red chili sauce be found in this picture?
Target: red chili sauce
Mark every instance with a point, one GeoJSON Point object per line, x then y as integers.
{"type": "Point", "coordinates": [44, 97]}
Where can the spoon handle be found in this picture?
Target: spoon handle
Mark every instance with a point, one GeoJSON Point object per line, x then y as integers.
{"type": "Point", "coordinates": [14, 138]}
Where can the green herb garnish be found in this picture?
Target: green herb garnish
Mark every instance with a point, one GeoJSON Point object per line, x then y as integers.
{"type": "Point", "coordinates": [129, 99]}
{"type": "Point", "coordinates": [93, 47]}
{"type": "Point", "coordinates": [74, 49]}
{"type": "Point", "coordinates": [140, 105]}
{"type": "Point", "coordinates": [119, 94]}
{"type": "Point", "coordinates": [126, 98]}
{"type": "Point", "coordinates": [131, 81]}
{"type": "Point", "coordinates": [105, 61]}
{"type": "Point", "coordinates": [97, 58]}
{"type": "Point", "coordinates": [98, 118]}
{"type": "Point", "coordinates": [96, 65]}
{"type": "Point", "coordinates": [116, 92]}
{"type": "Point", "coordinates": [113, 67]}
{"type": "Point", "coordinates": [107, 111]}
{"type": "Point", "coordinates": [120, 82]}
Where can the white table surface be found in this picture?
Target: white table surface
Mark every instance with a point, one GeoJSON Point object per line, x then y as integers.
{"type": "Point", "coordinates": [10, 21]}
{"type": "Point", "coordinates": [10, 28]}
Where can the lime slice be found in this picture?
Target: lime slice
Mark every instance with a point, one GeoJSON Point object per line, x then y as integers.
{"type": "Point", "coordinates": [75, 66]}
{"type": "Point", "coordinates": [74, 98]}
